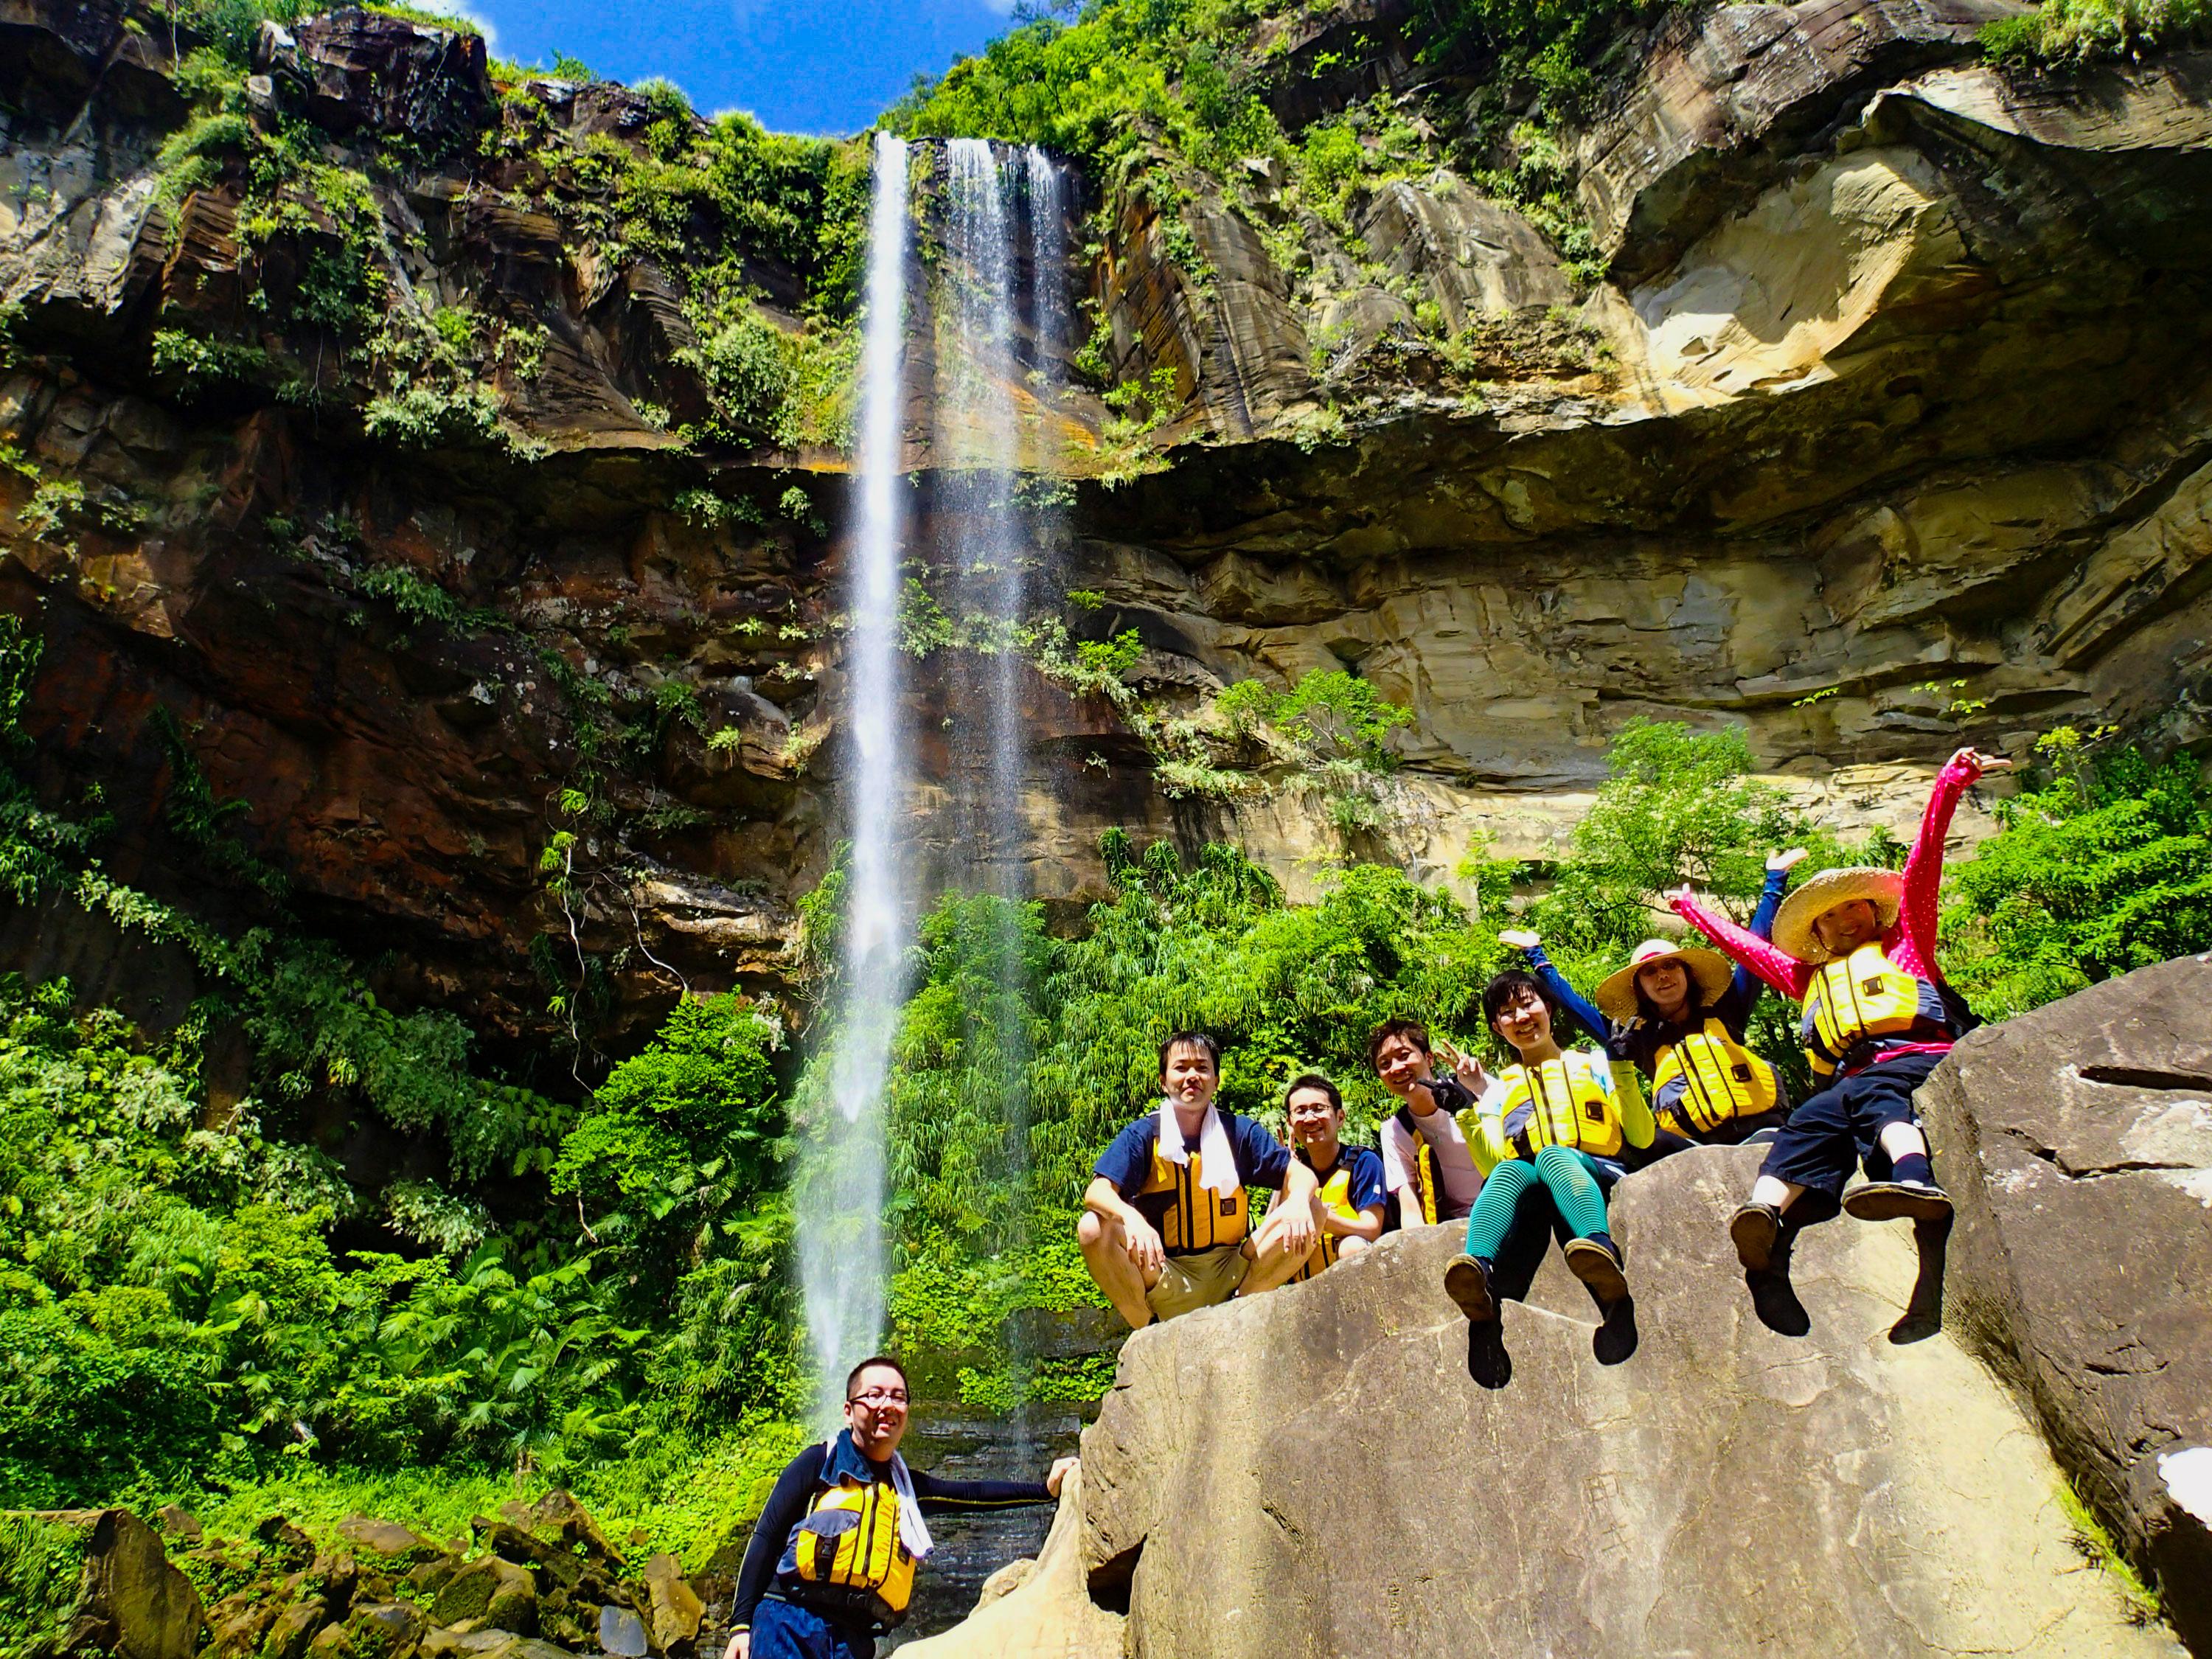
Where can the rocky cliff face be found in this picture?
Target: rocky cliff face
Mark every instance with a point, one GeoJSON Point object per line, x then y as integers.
{"type": "Point", "coordinates": [1885, 426]}
{"type": "Point", "coordinates": [1331, 1468]}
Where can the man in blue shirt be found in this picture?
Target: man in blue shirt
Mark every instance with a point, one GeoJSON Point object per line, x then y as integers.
{"type": "Point", "coordinates": [1349, 1205]}
{"type": "Point", "coordinates": [1166, 1226]}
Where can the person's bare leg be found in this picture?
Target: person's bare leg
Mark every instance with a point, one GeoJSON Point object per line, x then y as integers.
{"type": "Point", "coordinates": [1348, 1247]}
{"type": "Point", "coordinates": [1106, 1253]}
{"type": "Point", "coordinates": [1272, 1261]}
{"type": "Point", "coordinates": [1903, 1140]}
{"type": "Point", "coordinates": [1775, 1193]}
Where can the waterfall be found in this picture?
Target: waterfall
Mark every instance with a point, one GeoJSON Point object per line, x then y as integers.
{"type": "Point", "coordinates": [840, 1217]}
{"type": "Point", "coordinates": [998, 312]}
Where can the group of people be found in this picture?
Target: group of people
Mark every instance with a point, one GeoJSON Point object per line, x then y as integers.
{"type": "Point", "coordinates": [1523, 1156]}
{"type": "Point", "coordinates": [1537, 1149]}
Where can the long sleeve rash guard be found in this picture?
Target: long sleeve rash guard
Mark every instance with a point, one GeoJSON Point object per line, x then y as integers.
{"type": "Point", "coordinates": [1910, 944]}
{"type": "Point", "coordinates": [788, 1505]}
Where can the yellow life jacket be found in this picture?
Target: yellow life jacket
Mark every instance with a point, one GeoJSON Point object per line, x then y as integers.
{"type": "Point", "coordinates": [848, 1558]}
{"type": "Point", "coordinates": [1336, 1198]}
{"type": "Point", "coordinates": [1424, 1170]}
{"type": "Point", "coordinates": [1566, 1105]}
{"type": "Point", "coordinates": [1864, 1004]}
{"type": "Point", "coordinates": [1195, 1217]}
{"type": "Point", "coordinates": [1707, 1077]}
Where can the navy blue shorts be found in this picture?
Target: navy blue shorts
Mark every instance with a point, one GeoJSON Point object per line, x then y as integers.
{"type": "Point", "coordinates": [1843, 1125]}
{"type": "Point", "coordinates": [784, 1629]}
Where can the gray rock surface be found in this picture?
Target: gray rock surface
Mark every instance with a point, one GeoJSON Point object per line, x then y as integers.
{"type": "Point", "coordinates": [1315, 1472]}
{"type": "Point", "coordinates": [2078, 1141]}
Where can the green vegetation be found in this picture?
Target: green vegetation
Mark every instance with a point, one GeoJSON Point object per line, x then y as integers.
{"type": "Point", "coordinates": [2098, 1548]}
{"type": "Point", "coordinates": [707, 202]}
{"type": "Point", "coordinates": [179, 1320]}
{"type": "Point", "coordinates": [2105, 868]}
{"type": "Point", "coordinates": [40, 1563]}
{"type": "Point", "coordinates": [2075, 33]}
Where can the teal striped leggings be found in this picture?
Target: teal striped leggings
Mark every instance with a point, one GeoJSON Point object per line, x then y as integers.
{"type": "Point", "coordinates": [1569, 1173]}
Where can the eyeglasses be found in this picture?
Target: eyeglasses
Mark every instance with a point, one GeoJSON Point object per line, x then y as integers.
{"type": "Point", "coordinates": [879, 1397]}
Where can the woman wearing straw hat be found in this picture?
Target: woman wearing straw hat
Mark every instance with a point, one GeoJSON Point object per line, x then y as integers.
{"type": "Point", "coordinates": [1857, 947]}
{"type": "Point", "coordinates": [1677, 1014]}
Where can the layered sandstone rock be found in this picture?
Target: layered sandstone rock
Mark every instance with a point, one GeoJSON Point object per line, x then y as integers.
{"type": "Point", "coordinates": [1888, 426]}
{"type": "Point", "coordinates": [2078, 1140]}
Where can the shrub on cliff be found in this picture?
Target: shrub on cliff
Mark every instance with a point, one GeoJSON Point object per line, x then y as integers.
{"type": "Point", "coordinates": [2105, 867]}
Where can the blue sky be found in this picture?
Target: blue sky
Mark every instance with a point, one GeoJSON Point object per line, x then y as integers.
{"type": "Point", "coordinates": [822, 66]}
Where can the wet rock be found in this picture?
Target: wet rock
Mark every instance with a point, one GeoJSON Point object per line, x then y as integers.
{"type": "Point", "coordinates": [2078, 1141]}
{"type": "Point", "coordinates": [1041, 1609]}
{"type": "Point", "coordinates": [676, 1608]}
{"type": "Point", "coordinates": [131, 1601]}
{"type": "Point", "coordinates": [497, 1592]}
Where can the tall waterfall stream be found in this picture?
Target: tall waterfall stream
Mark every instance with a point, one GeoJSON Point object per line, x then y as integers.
{"type": "Point", "coordinates": [996, 329]}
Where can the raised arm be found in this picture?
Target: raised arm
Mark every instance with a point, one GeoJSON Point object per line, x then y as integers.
{"type": "Point", "coordinates": [1778, 968]}
{"type": "Point", "coordinates": [1585, 1011]}
{"type": "Point", "coordinates": [1924, 869]}
{"type": "Point", "coordinates": [1744, 989]}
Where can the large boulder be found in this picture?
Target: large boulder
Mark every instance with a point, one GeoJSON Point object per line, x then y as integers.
{"type": "Point", "coordinates": [1317, 1471]}
{"type": "Point", "coordinates": [494, 1592]}
{"type": "Point", "coordinates": [2078, 1141]}
{"type": "Point", "coordinates": [93, 1580]}
{"type": "Point", "coordinates": [1049, 1613]}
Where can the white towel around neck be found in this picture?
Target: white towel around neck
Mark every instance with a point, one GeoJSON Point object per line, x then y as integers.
{"type": "Point", "coordinates": [1217, 1164]}
{"type": "Point", "coordinates": [914, 1531]}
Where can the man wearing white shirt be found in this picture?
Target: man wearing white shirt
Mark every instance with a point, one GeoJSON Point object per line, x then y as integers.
{"type": "Point", "coordinates": [1426, 1165]}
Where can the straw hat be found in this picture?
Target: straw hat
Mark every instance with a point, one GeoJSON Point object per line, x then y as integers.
{"type": "Point", "coordinates": [1708, 969]}
{"type": "Point", "coordinates": [1793, 922]}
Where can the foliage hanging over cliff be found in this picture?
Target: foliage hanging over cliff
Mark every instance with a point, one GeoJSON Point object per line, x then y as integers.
{"type": "Point", "coordinates": [2105, 868]}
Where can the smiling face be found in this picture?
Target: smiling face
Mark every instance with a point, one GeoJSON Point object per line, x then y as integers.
{"type": "Point", "coordinates": [1400, 1063]}
{"type": "Point", "coordinates": [1665, 983]}
{"type": "Point", "coordinates": [875, 1411]}
{"type": "Point", "coordinates": [1843, 928]}
{"type": "Point", "coordinates": [1190, 1079]}
{"type": "Point", "coordinates": [1315, 1123]}
{"type": "Point", "coordinates": [1522, 1020]}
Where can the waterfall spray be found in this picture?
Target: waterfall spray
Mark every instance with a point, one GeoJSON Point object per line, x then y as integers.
{"type": "Point", "coordinates": [841, 1244]}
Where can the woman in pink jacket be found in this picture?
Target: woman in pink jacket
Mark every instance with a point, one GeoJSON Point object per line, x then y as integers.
{"type": "Point", "coordinates": [1857, 948]}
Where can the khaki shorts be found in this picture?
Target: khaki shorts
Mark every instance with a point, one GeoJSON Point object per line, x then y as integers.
{"type": "Point", "coordinates": [1188, 1283]}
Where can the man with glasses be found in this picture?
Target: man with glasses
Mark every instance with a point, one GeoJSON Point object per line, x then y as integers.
{"type": "Point", "coordinates": [832, 1560]}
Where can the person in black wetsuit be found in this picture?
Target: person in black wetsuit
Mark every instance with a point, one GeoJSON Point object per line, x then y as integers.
{"type": "Point", "coordinates": [832, 1560]}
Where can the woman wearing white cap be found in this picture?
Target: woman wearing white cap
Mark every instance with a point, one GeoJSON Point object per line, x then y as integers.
{"type": "Point", "coordinates": [1857, 948]}
{"type": "Point", "coordinates": [1676, 1014]}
